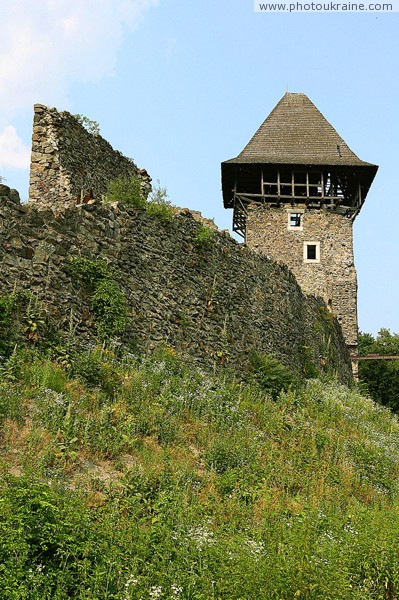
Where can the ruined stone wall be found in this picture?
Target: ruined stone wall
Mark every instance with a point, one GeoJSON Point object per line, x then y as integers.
{"type": "Point", "coordinates": [68, 161]}
{"type": "Point", "coordinates": [333, 278]}
{"type": "Point", "coordinates": [216, 303]}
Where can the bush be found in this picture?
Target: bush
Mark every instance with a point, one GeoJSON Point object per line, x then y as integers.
{"type": "Point", "coordinates": [97, 368]}
{"type": "Point", "coordinates": [108, 300]}
{"type": "Point", "coordinates": [109, 305]}
{"type": "Point", "coordinates": [6, 310]}
{"type": "Point", "coordinates": [22, 319]}
{"type": "Point", "coordinates": [271, 374]}
{"type": "Point", "coordinates": [126, 190]}
{"type": "Point", "coordinates": [48, 541]}
{"type": "Point", "coordinates": [158, 204]}
{"type": "Point", "coordinates": [91, 126]}
{"type": "Point", "coordinates": [381, 376]}
{"type": "Point", "coordinates": [204, 238]}
{"type": "Point", "coordinates": [88, 271]}
{"type": "Point", "coordinates": [234, 452]}
{"type": "Point", "coordinates": [148, 478]}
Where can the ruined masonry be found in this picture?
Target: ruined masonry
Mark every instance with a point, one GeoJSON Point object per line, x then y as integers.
{"type": "Point", "coordinates": [295, 190]}
{"type": "Point", "coordinates": [216, 304]}
{"type": "Point", "coordinates": [68, 163]}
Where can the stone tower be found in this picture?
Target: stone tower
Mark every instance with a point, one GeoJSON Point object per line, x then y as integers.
{"type": "Point", "coordinates": [295, 191]}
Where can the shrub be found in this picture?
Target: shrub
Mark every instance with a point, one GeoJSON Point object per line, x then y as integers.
{"type": "Point", "coordinates": [127, 190]}
{"type": "Point", "coordinates": [109, 305]}
{"type": "Point", "coordinates": [88, 271]}
{"type": "Point", "coordinates": [6, 308]}
{"type": "Point", "coordinates": [48, 541]}
{"type": "Point", "coordinates": [178, 484]}
{"type": "Point", "coordinates": [11, 401]}
{"type": "Point", "coordinates": [204, 238]}
{"type": "Point", "coordinates": [381, 376]}
{"type": "Point", "coordinates": [271, 374]}
{"type": "Point", "coordinates": [21, 319]}
{"type": "Point", "coordinates": [108, 300]}
{"type": "Point", "coordinates": [231, 452]}
{"type": "Point", "coordinates": [158, 204]}
{"type": "Point", "coordinates": [91, 126]}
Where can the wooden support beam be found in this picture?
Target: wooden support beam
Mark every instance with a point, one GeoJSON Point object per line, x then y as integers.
{"type": "Point", "coordinates": [375, 357]}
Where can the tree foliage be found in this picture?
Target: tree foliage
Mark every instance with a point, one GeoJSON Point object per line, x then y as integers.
{"type": "Point", "coordinates": [91, 126]}
{"type": "Point", "coordinates": [381, 376]}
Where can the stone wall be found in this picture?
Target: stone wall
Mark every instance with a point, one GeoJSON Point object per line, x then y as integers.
{"type": "Point", "coordinates": [215, 303]}
{"type": "Point", "coordinates": [333, 278]}
{"type": "Point", "coordinates": [67, 161]}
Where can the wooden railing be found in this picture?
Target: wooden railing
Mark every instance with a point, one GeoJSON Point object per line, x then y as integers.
{"type": "Point", "coordinates": [375, 357]}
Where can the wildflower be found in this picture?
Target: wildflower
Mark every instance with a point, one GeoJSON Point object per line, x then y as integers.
{"type": "Point", "coordinates": [349, 529]}
{"type": "Point", "coordinates": [329, 535]}
{"type": "Point", "coordinates": [155, 592]}
{"type": "Point", "coordinates": [176, 590]}
{"type": "Point", "coordinates": [131, 581]}
{"type": "Point", "coordinates": [202, 536]}
{"type": "Point", "coordinates": [255, 548]}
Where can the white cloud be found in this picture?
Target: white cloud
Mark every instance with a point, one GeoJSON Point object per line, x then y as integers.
{"type": "Point", "coordinates": [48, 45]}
{"type": "Point", "coordinates": [13, 153]}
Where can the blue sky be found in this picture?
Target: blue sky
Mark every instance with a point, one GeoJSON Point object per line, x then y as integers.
{"type": "Point", "coordinates": [181, 86]}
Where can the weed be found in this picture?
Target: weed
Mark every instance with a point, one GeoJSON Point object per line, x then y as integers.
{"type": "Point", "coordinates": [90, 272]}
{"type": "Point", "coordinates": [91, 126]}
{"type": "Point", "coordinates": [126, 190]}
{"type": "Point", "coordinates": [271, 374]}
{"type": "Point", "coordinates": [13, 308]}
{"type": "Point", "coordinates": [158, 204]}
{"type": "Point", "coordinates": [308, 367]}
{"type": "Point", "coordinates": [204, 238]}
{"type": "Point", "coordinates": [107, 299]}
{"type": "Point", "coordinates": [144, 477]}
{"type": "Point", "coordinates": [109, 305]}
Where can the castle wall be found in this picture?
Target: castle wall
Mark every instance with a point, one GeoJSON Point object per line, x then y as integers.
{"type": "Point", "coordinates": [216, 304]}
{"type": "Point", "coordinates": [333, 278]}
{"type": "Point", "coordinates": [67, 160]}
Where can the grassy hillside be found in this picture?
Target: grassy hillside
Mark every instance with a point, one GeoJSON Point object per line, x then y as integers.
{"type": "Point", "coordinates": [141, 478]}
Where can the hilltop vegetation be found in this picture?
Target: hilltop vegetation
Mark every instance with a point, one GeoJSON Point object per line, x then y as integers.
{"type": "Point", "coordinates": [140, 477]}
{"type": "Point", "coordinates": [381, 377]}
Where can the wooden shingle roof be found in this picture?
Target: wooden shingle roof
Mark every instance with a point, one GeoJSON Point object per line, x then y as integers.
{"type": "Point", "coordinates": [296, 132]}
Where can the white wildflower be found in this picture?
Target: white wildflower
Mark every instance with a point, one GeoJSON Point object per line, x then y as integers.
{"type": "Point", "coordinates": [255, 548]}
{"type": "Point", "coordinates": [155, 592]}
{"type": "Point", "coordinates": [176, 590]}
{"type": "Point", "coordinates": [131, 581]}
{"type": "Point", "coordinates": [202, 536]}
{"type": "Point", "coordinates": [350, 529]}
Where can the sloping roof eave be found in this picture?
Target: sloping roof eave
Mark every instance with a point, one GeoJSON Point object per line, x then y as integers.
{"type": "Point", "coordinates": [296, 132]}
{"type": "Point", "coordinates": [303, 161]}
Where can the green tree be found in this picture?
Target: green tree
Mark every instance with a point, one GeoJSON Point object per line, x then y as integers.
{"type": "Point", "coordinates": [91, 126]}
{"type": "Point", "coordinates": [381, 376]}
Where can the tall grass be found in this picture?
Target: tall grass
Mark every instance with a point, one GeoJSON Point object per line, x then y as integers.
{"type": "Point", "coordinates": [130, 477]}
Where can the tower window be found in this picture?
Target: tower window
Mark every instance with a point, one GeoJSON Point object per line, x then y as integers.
{"type": "Point", "coordinates": [295, 219]}
{"type": "Point", "coordinates": [311, 252]}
